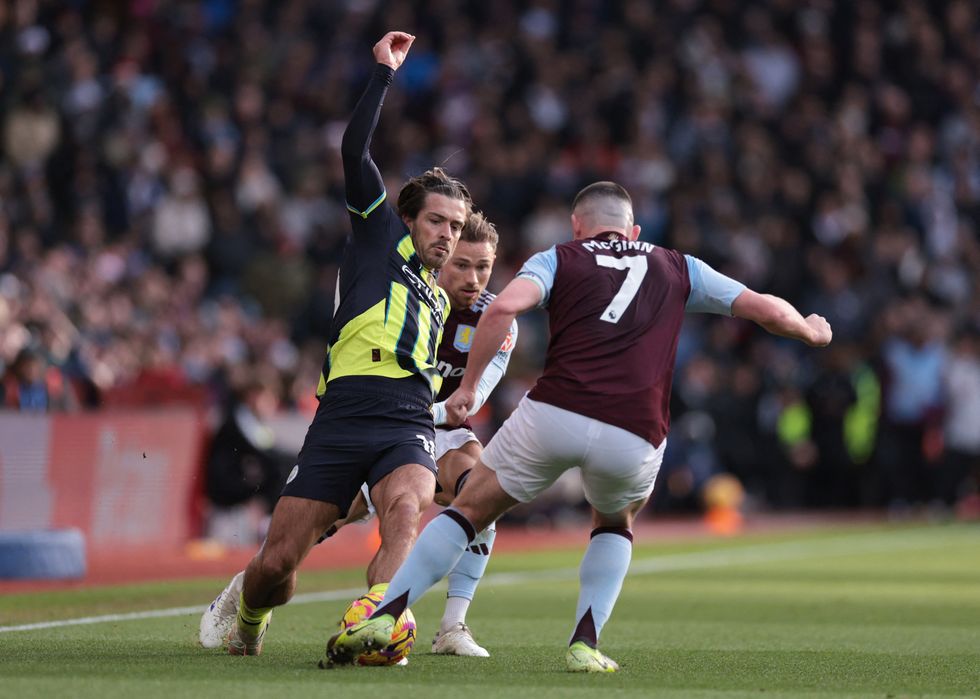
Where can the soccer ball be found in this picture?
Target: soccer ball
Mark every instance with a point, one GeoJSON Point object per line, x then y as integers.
{"type": "Point", "coordinates": [402, 636]}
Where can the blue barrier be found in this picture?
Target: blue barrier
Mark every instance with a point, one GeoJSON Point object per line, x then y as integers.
{"type": "Point", "coordinates": [57, 554]}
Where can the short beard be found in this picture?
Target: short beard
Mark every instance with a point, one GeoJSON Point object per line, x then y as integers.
{"type": "Point", "coordinates": [436, 266]}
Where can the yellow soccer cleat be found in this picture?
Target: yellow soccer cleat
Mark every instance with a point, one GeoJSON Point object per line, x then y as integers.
{"type": "Point", "coordinates": [344, 647]}
{"type": "Point", "coordinates": [583, 658]}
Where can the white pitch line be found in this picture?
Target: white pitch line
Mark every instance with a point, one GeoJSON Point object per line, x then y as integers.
{"type": "Point", "coordinates": [330, 596]}
{"type": "Point", "coordinates": [747, 555]}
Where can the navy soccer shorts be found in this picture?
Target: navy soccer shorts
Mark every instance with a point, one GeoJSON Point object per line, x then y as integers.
{"type": "Point", "coordinates": [360, 436]}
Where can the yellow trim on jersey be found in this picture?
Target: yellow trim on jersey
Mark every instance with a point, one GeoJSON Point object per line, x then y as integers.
{"type": "Point", "coordinates": [420, 351]}
{"type": "Point", "coordinates": [367, 211]}
{"type": "Point", "coordinates": [406, 248]}
{"type": "Point", "coordinates": [371, 335]}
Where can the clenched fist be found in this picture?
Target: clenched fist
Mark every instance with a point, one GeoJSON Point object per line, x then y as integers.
{"type": "Point", "coordinates": [393, 48]}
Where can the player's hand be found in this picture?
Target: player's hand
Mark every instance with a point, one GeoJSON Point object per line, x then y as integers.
{"type": "Point", "coordinates": [393, 48]}
{"type": "Point", "coordinates": [820, 332]}
{"type": "Point", "coordinates": [458, 406]}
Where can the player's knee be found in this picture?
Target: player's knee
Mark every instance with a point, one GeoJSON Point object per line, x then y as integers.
{"type": "Point", "coordinates": [615, 519]}
{"type": "Point", "coordinates": [622, 518]}
{"type": "Point", "coordinates": [409, 495]}
{"type": "Point", "coordinates": [277, 565]}
{"type": "Point", "coordinates": [404, 508]}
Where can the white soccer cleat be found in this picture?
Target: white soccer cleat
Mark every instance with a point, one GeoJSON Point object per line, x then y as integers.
{"type": "Point", "coordinates": [218, 619]}
{"type": "Point", "coordinates": [458, 641]}
{"type": "Point", "coordinates": [246, 638]}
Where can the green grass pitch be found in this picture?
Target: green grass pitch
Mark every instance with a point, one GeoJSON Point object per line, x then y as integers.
{"type": "Point", "coordinates": [848, 612]}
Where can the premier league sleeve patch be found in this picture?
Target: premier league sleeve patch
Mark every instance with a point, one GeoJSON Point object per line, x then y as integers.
{"type": "Point", "coordinates": [464, 337]}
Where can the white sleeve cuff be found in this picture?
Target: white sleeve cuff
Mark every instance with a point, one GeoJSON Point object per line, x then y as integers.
{"type": "Point", "coordinates": [439, 413]}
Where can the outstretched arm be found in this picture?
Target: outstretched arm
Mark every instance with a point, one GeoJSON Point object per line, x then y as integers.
{"type": "Point", "coordinates": [780, 318]}
{"type": "Point", "coordinates": [364, 187]}
{"type": "Point", "coordinates": [713, 292]}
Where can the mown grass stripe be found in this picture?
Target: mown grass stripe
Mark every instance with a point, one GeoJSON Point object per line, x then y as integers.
{"type": "Point", "coordinates": [848, 545]}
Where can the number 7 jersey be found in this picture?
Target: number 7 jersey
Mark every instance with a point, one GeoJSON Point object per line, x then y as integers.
{"type": "Point", "coordinates": [615, 309]}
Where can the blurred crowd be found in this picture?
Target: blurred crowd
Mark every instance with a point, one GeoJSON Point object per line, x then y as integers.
{"type": "Point", "coordinates": [172, 211]}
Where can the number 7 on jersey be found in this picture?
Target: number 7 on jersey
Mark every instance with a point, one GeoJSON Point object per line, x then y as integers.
{"type": "Point", "coordinates": [636, 267]}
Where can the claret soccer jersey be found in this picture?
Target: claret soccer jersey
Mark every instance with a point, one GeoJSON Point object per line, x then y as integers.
{"type": "Point", "coordinates": [455, 349]}
{"type": "Point", "coordinates": [615, 309]}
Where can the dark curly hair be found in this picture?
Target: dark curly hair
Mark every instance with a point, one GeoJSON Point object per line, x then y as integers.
{"type": "Point", "coordinates": [411, 198]}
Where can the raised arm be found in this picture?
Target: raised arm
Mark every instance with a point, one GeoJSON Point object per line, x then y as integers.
{"type": "Point", "coordinates": [364, 187]}
{"type": "Point", "coordinates": [779, 317]}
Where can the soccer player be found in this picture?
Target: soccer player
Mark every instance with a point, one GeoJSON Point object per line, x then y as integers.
{"type": "Point", "coordinates": [464, 278]}
{"type": "Point", "coordinates": [373, 424]}
{"type": "Point", "coordinates": [615, 308]}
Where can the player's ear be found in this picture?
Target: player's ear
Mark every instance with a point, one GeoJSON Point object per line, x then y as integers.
{"type": "Point", "coordinates": [635, 233]}
{"type": "Point", "coordinates": [576, 225]}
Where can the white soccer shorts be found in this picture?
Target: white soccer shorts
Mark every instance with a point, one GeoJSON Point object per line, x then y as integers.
{"type": "Point", "coordinates": [447, 440]}
{"type": "Point", "coordinates": [539, 442]}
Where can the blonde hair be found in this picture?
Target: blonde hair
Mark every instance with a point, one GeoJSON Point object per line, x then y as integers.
{"type": "Point", "coordinates": [478, 229]}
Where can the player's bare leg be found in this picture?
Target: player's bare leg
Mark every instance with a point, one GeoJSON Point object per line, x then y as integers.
{"type": "Point", "coordinates": [601, 578]}
{"type": "Point", "coordinates": [454, 466]}
{"type": "Point", "coordinates": [454, 637]}
{"type": "Point", "coordinates": [483, 501]}
{"type": "Point", "coordinates": [270, 578]}
{"type": "Point", "coordinates": [399, 498]}
{"type": "Point", "coordinates": [437, 551]}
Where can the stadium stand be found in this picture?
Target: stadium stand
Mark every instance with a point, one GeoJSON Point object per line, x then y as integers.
{"type": "Point", "coordinates": [171, 207]}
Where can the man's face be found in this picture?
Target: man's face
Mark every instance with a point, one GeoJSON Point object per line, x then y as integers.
{"type": "Point", "coordinates": [466, 274]}
{"type": "Point", "coordinates": [435, 231]}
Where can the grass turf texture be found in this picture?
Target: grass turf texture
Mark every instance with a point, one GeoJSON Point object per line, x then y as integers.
{"type": "Point", "coordinates": [869, 612]}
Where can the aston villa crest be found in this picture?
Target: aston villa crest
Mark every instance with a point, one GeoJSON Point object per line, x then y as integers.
{"type": "Point", "coordinates": [464, 337]}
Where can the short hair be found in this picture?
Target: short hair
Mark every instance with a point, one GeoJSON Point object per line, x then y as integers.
{"type": "Point", "coordinates": [602, 190]}
{"type": "Point", "coordinates": [478, 229]}
{"type": "Point", "coordinates": [411, 198]}
{"type": "Point", "coordinates": [604, 204]}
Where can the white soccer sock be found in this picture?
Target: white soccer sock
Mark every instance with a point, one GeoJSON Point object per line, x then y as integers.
{"type": "Point", "coordinates": [456, 608]}
{"type": "Point", "coordinates": [466, 575]}
{"type": "Point", "coordinates": [437, 550]}
{"type": "Point", "coordinates": [601, 576]}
